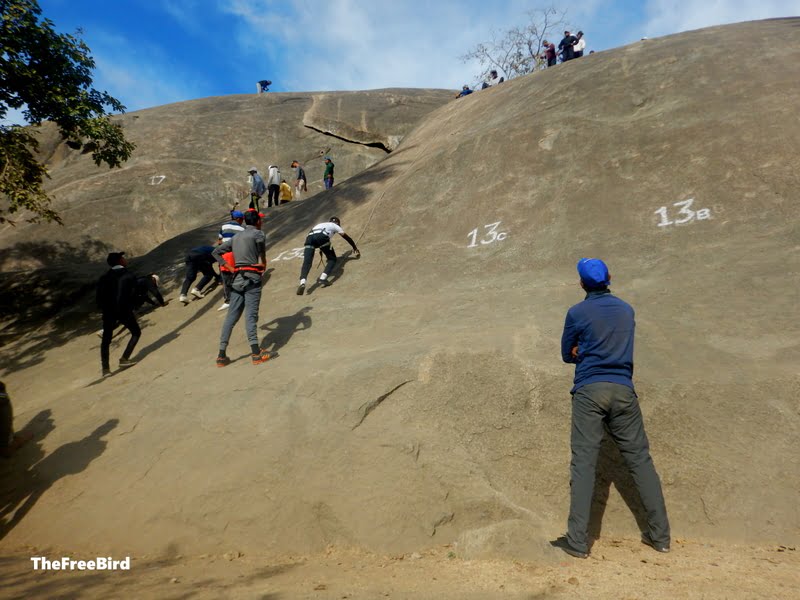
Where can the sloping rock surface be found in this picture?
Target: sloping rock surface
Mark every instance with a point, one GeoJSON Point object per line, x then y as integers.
{"type": "Point", "coordinates": [421, 398]}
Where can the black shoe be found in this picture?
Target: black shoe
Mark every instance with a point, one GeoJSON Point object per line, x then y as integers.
{"type": "Point", "coordinates": [301, 289]}
{"type": "Point", "coordinates": [563, 544]}
{"type": "Point", "coordinates": [124, 363]}
{"type": "Point", "coordinates": [323, 282]}
{"type": "Point", "coordinates": [223, 361]}
{"type": "Point", "coordinates": [106, 372]}
{"type": "Point", "coordinates": [648, 541]}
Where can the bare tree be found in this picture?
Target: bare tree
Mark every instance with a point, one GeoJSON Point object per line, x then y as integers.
{"type": "Point", "coordinates": [517, 51]}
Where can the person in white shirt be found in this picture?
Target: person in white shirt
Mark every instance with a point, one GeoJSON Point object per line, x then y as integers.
{"type": "Point", "coordinates": [320, 237]}
{"type": "Point", "coordinates": [580, 46]}
{"type": "Point", "coordinates": [273, 185]}
{"type": "Point", "coordinates": [492, 80]}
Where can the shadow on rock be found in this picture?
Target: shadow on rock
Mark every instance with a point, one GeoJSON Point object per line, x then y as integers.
{"type": "Point", "coordinates": [34, 475]}
{"type": "Point", "coordinates": [612, 470]}
{"type": "Point", "coordinates": [281, 329]}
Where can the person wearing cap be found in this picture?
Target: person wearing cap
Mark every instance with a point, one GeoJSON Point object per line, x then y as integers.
{"type": "Point", "coordinates": [300, 183]}
{"type": "Point", "coordinates": [232, 227]}
{"type": "Point", "coordinates": [327, 176]}
{"type": "Point", "coordinates": [116, 297]}
{"type": "Point", "coordinates": [598, 340]}
{"type": "Point", "coordinates": [249, 250]}
{"type": "Point", "coordinates": [465, 91]}
{"type": "Point", "coordinates": [567, 46]}
{"type": "Point", "coordinates": [580, 45]}
{"type": "Point", "coordinates": [320, 238]}
{"type": "Point", "coordinates": [226, 232]}
{"type": "Point", "coordinates": [257, 187]}
{"type": "Point", "coordinates": [198, 260]}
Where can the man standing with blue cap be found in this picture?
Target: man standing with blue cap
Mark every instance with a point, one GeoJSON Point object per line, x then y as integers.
{"type": "Point", "coordinates": [598, 339]}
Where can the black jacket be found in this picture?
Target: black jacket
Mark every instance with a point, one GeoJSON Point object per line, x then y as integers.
{"type": "Point", "coordinates": [116, 292]}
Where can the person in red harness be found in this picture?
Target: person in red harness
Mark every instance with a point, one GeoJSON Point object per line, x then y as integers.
{"type": "Point", "coordinates": [249, 251]}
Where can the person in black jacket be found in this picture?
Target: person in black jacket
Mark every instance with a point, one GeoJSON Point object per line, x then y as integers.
{"type": "Point", "coordinates": [116, 297]}
{"type": "Point", "coordinates": [567, 46]}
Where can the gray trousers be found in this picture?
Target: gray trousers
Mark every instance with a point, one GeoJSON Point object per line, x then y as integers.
{"type": "Point", "coordinates": [245, 297]}
{"type": "Point", "coordinates": [615, 405]}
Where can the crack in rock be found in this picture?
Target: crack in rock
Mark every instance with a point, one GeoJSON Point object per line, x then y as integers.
{"type": "Point", "coordinates": [368, 407]}
{"type": "Point", "coordinates": [380, 145]}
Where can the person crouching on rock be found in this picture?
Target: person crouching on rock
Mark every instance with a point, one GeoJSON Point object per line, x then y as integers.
{"type": "Point", "coordinates": [320, 237]}
{"type": "Point", "coordinates": [198, 260]}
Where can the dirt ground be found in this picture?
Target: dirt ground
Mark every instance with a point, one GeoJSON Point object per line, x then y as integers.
{"type": "Point", "coordinates": [617, 568]}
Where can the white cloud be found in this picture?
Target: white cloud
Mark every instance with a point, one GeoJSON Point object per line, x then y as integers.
{"type": "Point", "coordinates": [138, 75]}
{"type": "Point", "coordinates": [668, 16]}
{"type": "Point", "coordinates": [351, 44]}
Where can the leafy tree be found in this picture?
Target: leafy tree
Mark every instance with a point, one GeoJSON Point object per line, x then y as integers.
{"type": "Point", "coordinates": [49, 76]}
{"type": "Point", "coordinates": [517, 51]}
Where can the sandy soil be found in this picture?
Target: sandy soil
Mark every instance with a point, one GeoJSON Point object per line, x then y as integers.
{"type": "Point", "coordinates": [617, 568]}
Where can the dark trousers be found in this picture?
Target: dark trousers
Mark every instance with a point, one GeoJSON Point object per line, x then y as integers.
{"type": "Point", "coordinates": [551, 62]}
{"type": "Point", "coordinates": [274, 192]}
{"type": "Point", "coordinates": [227, 279]}
{"type": "Point", "coordinates": [254, 198]}
{"type": "Point", "coordinates": [109, 324]}
{"type": "Point", "coordinates": [593, 406]}
{"type": "Point", "coordinates": [193, 266]}
{"type": "Point", "coordinates": [323, 242]}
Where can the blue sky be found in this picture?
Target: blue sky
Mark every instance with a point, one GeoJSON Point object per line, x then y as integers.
{"type": "Point", "coordinates": [153, 52]}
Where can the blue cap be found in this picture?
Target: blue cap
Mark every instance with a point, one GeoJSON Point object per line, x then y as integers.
{"type": "Point", "coordinates": [327, 158]}
{"type": "Point", "coordinates": [593, 272]}
{"type": "Point", "coordinates": [237, 214]}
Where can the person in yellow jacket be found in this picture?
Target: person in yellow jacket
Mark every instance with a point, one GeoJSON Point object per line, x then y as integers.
{"type": "Point", "coordinates": [286, 192]}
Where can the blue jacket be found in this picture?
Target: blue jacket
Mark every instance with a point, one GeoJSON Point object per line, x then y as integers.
{"type": "Point", "coordinates": [602, 328]}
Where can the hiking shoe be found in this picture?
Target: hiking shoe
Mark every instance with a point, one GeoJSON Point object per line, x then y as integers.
{"type": "Point", "coordinates": [562, 543]}
{"type": "Point", "coordinates": [184, 299]}
{"type": "Point", "coordinates": [323, 282]}
{"type": "Point", "coordinates": [126, 362]}
{"type": "Point", "coordinates": [197, 293]}
{"type": "Point", "coordinates": [647, 540]}
{"type": "Point", "coordinates": [263, 357]}
{"type": "Point", "coordinates": [224, 306]}
{"type": "Point", "coordinates": [223, 361]}
{"type": "Point", "coordinates": [301, 289]}
{"type": "Point", "coordinates": [106, 373]}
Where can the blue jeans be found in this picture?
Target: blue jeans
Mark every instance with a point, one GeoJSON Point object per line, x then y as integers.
{"type": "Point", "coordinates": [328, 183]}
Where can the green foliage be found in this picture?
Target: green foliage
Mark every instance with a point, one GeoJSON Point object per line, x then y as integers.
{"type": "Point", "coordinates": [48, 76]}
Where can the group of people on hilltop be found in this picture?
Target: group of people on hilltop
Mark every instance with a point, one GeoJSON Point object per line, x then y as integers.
{"type": "Point", "coordinates": [276, 188]}
{"type": "Point", "coordinates": [570, 47]}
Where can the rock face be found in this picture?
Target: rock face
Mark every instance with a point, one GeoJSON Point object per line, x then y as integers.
{"type": "Point", "coordinates": [421, 398]}
{"type": "Point", "coordinates": [191, 164]}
